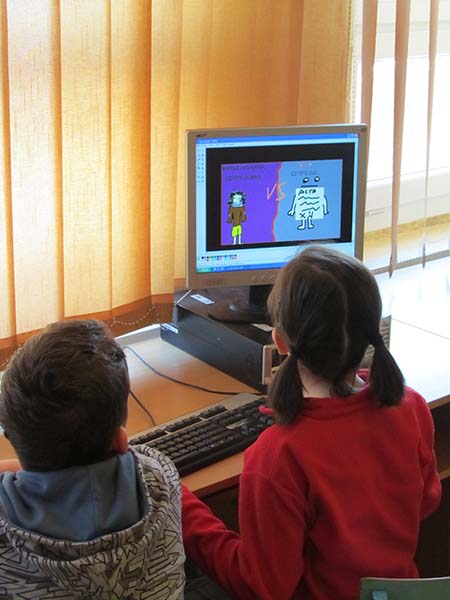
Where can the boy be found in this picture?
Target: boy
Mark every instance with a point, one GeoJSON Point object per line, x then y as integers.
{"type": "Point", "coordinates": [87, 516]}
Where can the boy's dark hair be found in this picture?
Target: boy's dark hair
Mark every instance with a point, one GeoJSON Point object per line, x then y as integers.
{"type": "Point", "coordinates": [328, 306]}
{"type": "Point", "coordinates": [64, 395]}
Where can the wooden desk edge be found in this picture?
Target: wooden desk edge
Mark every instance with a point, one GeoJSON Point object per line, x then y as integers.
{"type": "Point", "coordinates": [210, 487]}
{"type": "Point", "coordinates": [439, 401]}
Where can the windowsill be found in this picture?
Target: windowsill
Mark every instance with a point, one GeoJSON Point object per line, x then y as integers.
{"type": "Point", "coordinates": [139, 335]}
{"type": "Point", "coordinates": [377, 244]}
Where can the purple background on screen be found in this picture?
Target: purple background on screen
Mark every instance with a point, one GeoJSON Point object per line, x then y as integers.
{"type": "Point", "coordinates": [259, 182]}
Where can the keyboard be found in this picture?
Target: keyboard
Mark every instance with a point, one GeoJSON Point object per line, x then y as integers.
{"type": "Point", "coordinates": [204, 437]}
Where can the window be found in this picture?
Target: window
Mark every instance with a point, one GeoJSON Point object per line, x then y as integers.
{"type": "Point", "coordinates": [424, 204]}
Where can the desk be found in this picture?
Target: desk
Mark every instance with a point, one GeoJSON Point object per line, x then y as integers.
{"type": "Point", "coordinates": [419, 302]}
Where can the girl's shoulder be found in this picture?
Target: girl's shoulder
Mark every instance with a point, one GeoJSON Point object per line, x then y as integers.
{"type": "Point", "coordinates": [411, 397]}
{"type": "Point", "coordinates": [415, 401]}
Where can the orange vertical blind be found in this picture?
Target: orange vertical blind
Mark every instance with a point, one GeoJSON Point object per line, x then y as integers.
{"type": "Point", "coordinates": [96, 97]}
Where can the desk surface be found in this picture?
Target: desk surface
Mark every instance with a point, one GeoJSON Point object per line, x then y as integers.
{"type": "Point", "coordinates": [419, 301]}
{"type": "Point", "coordinates": [420, 342]}
{"type": "Point", "coordinates": [420, 297]}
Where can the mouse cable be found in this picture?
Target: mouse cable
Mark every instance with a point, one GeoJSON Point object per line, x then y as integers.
{"type": "Point", "coordinates": [144, 408]}
{"type": "Point", "coordinates": [191, 385]}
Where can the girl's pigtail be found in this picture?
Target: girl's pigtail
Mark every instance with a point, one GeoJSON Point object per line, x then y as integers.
{"type": "Point", "coordinates": [285, 394]}
{"type": "Point", "coordinates": [386, 378]}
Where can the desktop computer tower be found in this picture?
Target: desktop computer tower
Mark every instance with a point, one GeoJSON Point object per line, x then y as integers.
{"type": "Point", "coordinates": [243, 351]}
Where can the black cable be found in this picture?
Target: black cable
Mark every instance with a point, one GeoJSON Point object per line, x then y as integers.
{"type": "Point", "coordinates": [144, 408]}
{"type": "Point", "coordinates": [191, 385]}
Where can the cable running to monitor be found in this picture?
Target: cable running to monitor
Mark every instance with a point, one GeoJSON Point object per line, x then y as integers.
{"type": "Point", "coordinates": [144, 408]}
{"type": "Point", "coordinates": [168, 377]}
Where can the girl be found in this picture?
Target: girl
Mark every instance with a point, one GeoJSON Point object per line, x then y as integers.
{"type": "Point", "coordinates": [336, 489]}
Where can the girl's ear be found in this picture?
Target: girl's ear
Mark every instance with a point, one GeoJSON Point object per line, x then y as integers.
{"type": "Point", "coordinates": [280, 342]}
{"type": "Point", "coordinates": [120, 441]}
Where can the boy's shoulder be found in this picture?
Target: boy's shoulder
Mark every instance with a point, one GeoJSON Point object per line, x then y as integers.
{"type": "Point", "coordinates": [154, 543]}
{"type": "Point", "coordinates": [155, 467]}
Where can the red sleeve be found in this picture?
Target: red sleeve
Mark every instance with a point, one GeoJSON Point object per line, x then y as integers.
{"type": "Point", "coordinates": [268, 553]}
{"type": "Point", "coordinates": [431, 483]}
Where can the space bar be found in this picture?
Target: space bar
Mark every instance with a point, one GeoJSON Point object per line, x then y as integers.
{"type": "Point", "coordinates": [185, 465]}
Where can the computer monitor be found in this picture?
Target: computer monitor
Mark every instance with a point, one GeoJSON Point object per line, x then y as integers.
{"type": "Point", "coordinates": [258, 196]}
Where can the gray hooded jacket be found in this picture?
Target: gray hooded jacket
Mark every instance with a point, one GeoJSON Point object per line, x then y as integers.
{"type": "Point", "coordinates": [145, 560]}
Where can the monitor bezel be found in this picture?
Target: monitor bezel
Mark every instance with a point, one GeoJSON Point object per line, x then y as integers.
{"type": "Point", "coordinates": [195, 280]}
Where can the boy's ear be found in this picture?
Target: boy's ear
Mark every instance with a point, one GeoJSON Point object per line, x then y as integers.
{"type": "Point", "coordinates": [280, 342]}
{"type": "Point", "coordinates": [11, 464]}
{"type": "Point", "coordinates": [120, 441]}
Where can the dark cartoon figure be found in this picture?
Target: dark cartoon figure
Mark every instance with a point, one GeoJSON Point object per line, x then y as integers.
{"type": "Point", "coordinates": [236, 215]}
{"type": "Point", "coordinates": [309, 203]}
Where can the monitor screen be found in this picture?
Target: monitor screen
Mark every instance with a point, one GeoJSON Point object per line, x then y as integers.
{"type": "Point", "coordinates": [255, 197]}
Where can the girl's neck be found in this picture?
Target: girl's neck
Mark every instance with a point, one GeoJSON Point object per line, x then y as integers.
{"type": "Point", "coordinates": [315, 386]}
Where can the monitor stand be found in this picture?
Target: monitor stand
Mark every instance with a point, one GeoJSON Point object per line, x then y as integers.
{"type": "Point", "coordinates": [250, 308]}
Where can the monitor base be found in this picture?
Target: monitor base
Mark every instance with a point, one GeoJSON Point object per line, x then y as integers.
{"type": "Point", "coordinates": [242, 310]}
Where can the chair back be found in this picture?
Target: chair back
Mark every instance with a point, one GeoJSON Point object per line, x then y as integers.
{"type": "Point", "coordinates": [375, 588]}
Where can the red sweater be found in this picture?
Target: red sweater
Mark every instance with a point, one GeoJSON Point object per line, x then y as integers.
{"type": "Point", "coordinates": [335, 496]}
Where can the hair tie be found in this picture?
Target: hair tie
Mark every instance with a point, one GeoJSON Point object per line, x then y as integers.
{"type": "Point", "coordinates": [376, 340]}
{"type": "Point", "coordinates": [293, 352]}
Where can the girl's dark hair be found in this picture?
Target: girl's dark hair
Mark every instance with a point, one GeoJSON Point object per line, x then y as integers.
{"type": "Point", "coordinates": [64, 395]}
{"type": "Point", "coordinates": [328, 306]}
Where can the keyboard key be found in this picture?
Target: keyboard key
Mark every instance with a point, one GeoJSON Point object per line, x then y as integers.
{"type": "Point", "coordinates": [210, 412]}
{"type": "Point", "coordinates": [148, 437]}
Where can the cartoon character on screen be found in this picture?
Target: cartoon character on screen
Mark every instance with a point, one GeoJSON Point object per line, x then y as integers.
{"type": "Point", "coordinates": [309, 203]}
{"type": "Point", "coordinates": [236, 215]}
